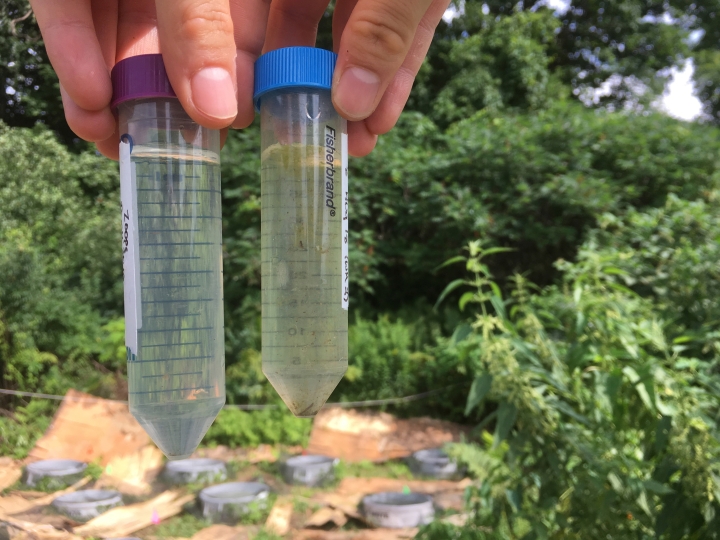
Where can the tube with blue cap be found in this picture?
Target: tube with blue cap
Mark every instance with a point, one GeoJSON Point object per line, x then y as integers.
{"type": "Point", "coordinates": [304, 233]}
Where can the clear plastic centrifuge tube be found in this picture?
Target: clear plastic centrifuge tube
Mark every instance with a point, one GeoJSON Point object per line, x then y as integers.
{"type": "Point", "coordinates": [172, 259]}
{"type": "Point", "coordinates": [304, 232]}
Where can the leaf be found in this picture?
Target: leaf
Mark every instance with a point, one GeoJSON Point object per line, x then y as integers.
{"type": "Point", "coordinates": [645, 385]}
{"type": "Point", "coordinates": [499, 306]}
{"type": "Point", "coordinates": [654, 486]}
{"type": "Point", "coordinates": [567, 409]}
{"type": "Point", "coordinates": [492, 251]}
{"type": "Point", "coordinates": [479, 389]}
{"type": "Point", "coordinates": [612, 388]}
{"type": "Point", "coordinates": [485, 421]}
{"type": "Point", "coordinates": [476, 267]}
{"type": "Point", "coordinates": [495, 289]}
{"type": "Point", "coordinates": [623, 289]}
{"type": "Point", "coordinates": [450, 288]}
{"type": "Point", "coordinates": [666, 409]}
{"type": "Point", "coordinates": [662, 433]}
{"type": "Point", "coordinates": [631, 374]}
{"type": "Point", "coordinates": [461, 332]}
{"type": "Point", "coordinates": [464, 299]}
{"type": "Point", "coordinates": [507, 414]}
{"type": "Point", "coordinates": [523, 348]}
{"type": "Point", "coordinates": [614, 271]}
{"type": "Point", "coordinates": [514, 497]}
{"type": "Point", "coordinates": [643, 503]}
{"type": "Point", "coordinates": [453, 260]}
{"type": "Point", "coordinates": [577, 294]}
{"type": "Point", "coordinates": [615, 482]}
{"type": "Point", "coordinates": [580, 323]}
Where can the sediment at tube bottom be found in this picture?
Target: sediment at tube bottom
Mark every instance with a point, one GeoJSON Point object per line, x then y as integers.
{"type": "Point", "coordinates": [178, 428]}
{"type": "Point", "coordinates": [304, 394]}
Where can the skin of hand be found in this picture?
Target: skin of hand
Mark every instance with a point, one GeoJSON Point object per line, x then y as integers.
{"type": "Point", "coordinates": [209, 48]}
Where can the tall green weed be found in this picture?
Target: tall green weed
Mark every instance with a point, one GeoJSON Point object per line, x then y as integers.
{"type": "Point", "coordinates": [593, 423]}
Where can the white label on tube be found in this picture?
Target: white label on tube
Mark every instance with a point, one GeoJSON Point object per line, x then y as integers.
{"type": "Point", "coordinates": [131, 251]}
{"type": "Point", "coordinates": [344, 212]}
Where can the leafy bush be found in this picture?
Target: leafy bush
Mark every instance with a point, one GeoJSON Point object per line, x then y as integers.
{"type": "Point", "coordinates": [386, 359]}
{"type": "Point", "coordinates": [670, 255]}
{"type": "Point", "coordinates": [502, 65]}
{"type": "Point", "coordinates": [183, 526]}
{"type": "Point", "coordinates": [602, 427]}
{"type": "Point", "coordinates": [59, 266]}
{"type": "Point", "coordinates": [20, 429]}
{"type": "Point", "coordinates": [397, 357]}
{"type": "Point", "coordinates": [535, 182]}
{"type": "Point", "coordinates": [270, 426]}
{"type": "Point", "coordinates": [368, 469]}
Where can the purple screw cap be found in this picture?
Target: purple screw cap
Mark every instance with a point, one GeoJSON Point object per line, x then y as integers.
{"type": "Point", "coordinates": [139, 77]}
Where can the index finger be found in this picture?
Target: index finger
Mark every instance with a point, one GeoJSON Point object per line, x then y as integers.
{"type": "Point", "coordinates": [74, 51]}
{"type": "Point", "coordinates": [249, 24]}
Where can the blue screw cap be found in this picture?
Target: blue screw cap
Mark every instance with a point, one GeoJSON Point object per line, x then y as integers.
{"type": "Point", "coordinates": [293, 67]}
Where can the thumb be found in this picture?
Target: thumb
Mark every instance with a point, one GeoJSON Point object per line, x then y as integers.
{"type": "Point", "coordinates": [196, 40]}
{"type": "Point", "coordinates": [373, 46]}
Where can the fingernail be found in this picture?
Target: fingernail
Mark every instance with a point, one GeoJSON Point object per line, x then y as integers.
{"type": "Point", "coordinates": [213, 93]}
{"type": "Point", "coordinates": [356, 92]}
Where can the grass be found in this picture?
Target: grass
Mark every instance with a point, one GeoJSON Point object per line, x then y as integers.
{"type": "Point", "coordinates": [182, 526]}
{"type": "Point", "coordinates": [302, 502]}
{"type": "Point", "coordinates": [257, 512]}
{"type": "Point", "coordinates": [264, 534]}
{"type": "Point", "coordinates": [273, 469]}
{"type": "Point", "coordinates": [368, 469]}
{"type": "Point", "coordinates": [20, 429]}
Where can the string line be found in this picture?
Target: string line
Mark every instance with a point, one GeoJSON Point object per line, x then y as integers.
{"type": "Point", "coordinates": [247, 407]}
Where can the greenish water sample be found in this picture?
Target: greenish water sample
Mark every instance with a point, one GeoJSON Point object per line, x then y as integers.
{"type": "Point", "coordinates": [304, 326]}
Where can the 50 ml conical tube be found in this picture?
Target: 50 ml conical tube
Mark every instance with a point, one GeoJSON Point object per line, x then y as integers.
{"type": "Point", "coordinates": [304, 247]}
{"type": "Point", "coordinates": [172, 259]}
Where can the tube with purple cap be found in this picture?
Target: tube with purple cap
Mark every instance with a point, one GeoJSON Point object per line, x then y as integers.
{"type": "Point", "coordinates": [172, 258]}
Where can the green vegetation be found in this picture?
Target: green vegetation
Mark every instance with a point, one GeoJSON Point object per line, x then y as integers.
{"type": "Point", "coordinates": [257, 512]}
{"type": "Point", "coordinates": [270, 426]}
{"type": "Point", "coordinates": [600, 421]}
{"type": "Point", "coordinates": [20, 429]}
{"type": "Point", "coordinates": [579, 331]}
{"type": "Point", "coordinates": [367, 469]}
{"type": "Point", "coordinates": [264, 534]}
{"type": "Point", "coordinates": [183, 526]}
{"type": "Point", "coordinates": [58, 266]}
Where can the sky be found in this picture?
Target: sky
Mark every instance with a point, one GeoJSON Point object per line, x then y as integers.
{"type": "Point", "coordinates": [679, 99]}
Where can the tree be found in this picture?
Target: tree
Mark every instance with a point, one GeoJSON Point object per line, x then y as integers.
{"type": "Point", "coordinates": [618, 45]}
{"type": "Point", "coordinates": [60, 264]}
{"type": "Point", "coordinates": [28, 85]}
{"type": "Point", "coordinates": [702, 17]}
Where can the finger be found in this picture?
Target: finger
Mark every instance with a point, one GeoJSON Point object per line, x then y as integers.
{"type": "Point", "coordinates": [373, 46]}
{"type": "Point", "coordinates": [89, 125]}
{"type": "Point", "coordinates": [110, 147]}
{"type": "Point", "coordinates": [393, 102]}
{"type": "Point", "coordinates": [137, 31]}
{"type": "Point", "coordinates": [196, 39]}
{"type": "Point", "coordinates": [341, 15]}
{"type": "Point", "coordinates": [249, 24]}
{"type": "Point", "coordinates": [74, 51]}
{"type": "Point", "coordinates": [105, 22]}
{"type": "Point", "coordinates": [292, 23]}
{"type": "Point", "coordinates": [360, 141]}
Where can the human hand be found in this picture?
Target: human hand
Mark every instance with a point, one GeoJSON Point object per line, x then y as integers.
{"type": "Point", "coordinates": [210, 46]}
{"type": "Point", "coordinates": [381, 45]}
